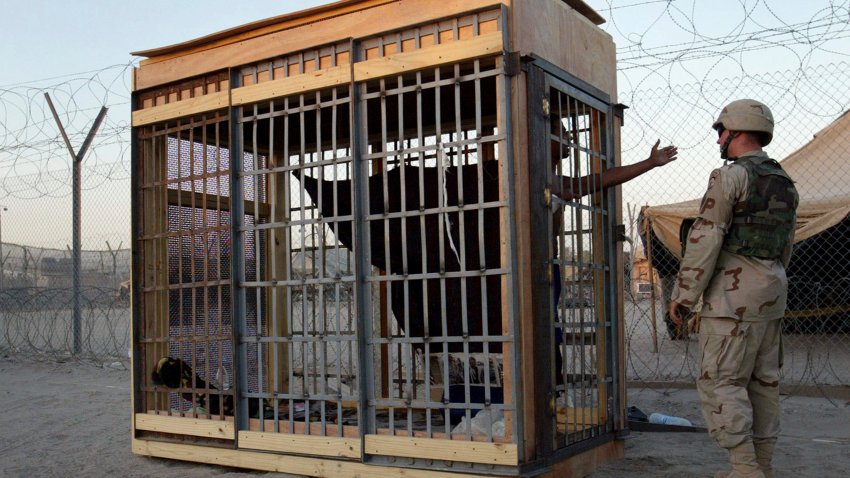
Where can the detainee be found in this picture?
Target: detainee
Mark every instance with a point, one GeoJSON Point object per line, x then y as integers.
{"type": "Point", "coordinates": [737, 252]}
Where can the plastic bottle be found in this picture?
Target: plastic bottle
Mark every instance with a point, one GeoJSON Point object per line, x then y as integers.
{"type": "Point", "coordinates": [662, 419]}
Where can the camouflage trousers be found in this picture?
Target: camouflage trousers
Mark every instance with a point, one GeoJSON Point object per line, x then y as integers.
{"type": "Point", "coordinates": [739, 379]}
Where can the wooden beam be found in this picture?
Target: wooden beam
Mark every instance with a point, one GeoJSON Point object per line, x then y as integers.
{"type": "Point", "coordinates": [258, 28]}
{"type": "Point", "coordinates": [357, 24]}
{"type": "Point", "coordinates": [198, 427]}
{"type": "Point", "coordinates": [450, 450]}
{"type": "Point", "coordinates": [301, 444]}
{"type": "Point", "coordinates": [297, 465]}
{"type": "Point", "coordinates": [302, 83]}
{"type": "Point", "coordinates": [475, 47]}
{"type": "Point", "coordinates": [192, 106]}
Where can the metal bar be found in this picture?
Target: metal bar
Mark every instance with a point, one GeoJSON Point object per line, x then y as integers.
{"type": "Point", "coordinates": [237, 261]}
{"type": "Point", "coordinates": [358, 141]}
{"type": "Point", "coordinates": [90, 136]}
{"type": "Point", "coordinates": [137, 255]}
{"type": "Point", "coordinates": [322, 342]}
{"type": "Point", "coordinates": [538, 98]}
{"type": "Point", "coordinates": [61, 128]}
{"type": "Point", "coordinates": [409, 361]}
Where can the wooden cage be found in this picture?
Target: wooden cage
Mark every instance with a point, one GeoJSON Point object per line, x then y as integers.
{"type": "Point", "coordinates": [351, 254]}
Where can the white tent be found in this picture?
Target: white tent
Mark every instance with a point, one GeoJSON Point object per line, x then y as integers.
{"type": "Point", "coordinates": [821, 170]}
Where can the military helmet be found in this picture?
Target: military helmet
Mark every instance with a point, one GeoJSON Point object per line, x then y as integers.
{"type": "Point", "coordinates": [746, 115]}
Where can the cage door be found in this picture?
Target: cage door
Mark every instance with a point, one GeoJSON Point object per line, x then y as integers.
{"type": "Point", "coordinates": [574, 226]}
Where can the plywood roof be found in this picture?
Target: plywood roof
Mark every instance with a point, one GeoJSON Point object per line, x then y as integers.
{"type": "Point", "coordinates": [302, 17]}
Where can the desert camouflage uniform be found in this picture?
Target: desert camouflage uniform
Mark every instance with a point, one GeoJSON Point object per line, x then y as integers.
{"type": "Point", "coordinates": [740, 331]}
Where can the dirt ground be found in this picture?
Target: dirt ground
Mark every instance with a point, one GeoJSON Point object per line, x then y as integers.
{"type": "Point", "coordinates": [73, 419]}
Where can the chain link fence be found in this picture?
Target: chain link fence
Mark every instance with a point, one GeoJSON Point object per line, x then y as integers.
{"type": "Point", "coordinates": [36, 316]}
{"type": "Point", "coordinates": [805, 103]}
{"type": "Point", "coordinates": [37, 302]}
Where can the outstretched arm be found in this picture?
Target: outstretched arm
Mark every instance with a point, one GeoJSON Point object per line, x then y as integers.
{"type": "Point", "coordinates": [573, 188]}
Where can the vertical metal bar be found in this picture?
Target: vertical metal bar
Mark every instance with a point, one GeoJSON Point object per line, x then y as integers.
{"type": "Point", "coordinates": [366, 381]}
{"type": "Point", "coordinates": [322, 332]}
{"type": "Point", "coordinates": [420, 143]}
{"type": "Point", "coordinates": [257, 193]}
{"type": "Point", "coordinates": [204, 238]}
{"type": "Point", "coordinates": [137, 243]}
{"type": "Point", "coordinates": [237, 260]}
{"type": "Point", "coordinates": [307, 343]}
{"type": "Point", "coordinates": [288, 241]}
{"type": "Point", "coordinates": [77, 245]}
{"type": "Point", "coordinates": [275, 232]}
{"type": "Point", "coordinates": [409, 360]}
{"type": "Point", "coordinates": [613, 346]}
{"type": "Point", "coordinates": [538, 96]}
{"type": "Point", "coordinates": [462, 266]}
{"type": "Point", "coordinates": [191, 236]}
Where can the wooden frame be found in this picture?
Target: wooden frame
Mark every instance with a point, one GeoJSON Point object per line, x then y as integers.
{"type": "Point", "coordinates": [562, 32]}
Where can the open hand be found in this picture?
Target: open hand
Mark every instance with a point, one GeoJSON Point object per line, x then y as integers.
{"type": "Point", "coordinates": [676, 312]}
{"type": "Point", "coordinates": [660, 157]}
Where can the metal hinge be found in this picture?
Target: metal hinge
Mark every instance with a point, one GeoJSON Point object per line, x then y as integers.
{"type": "Point", "coordinates": [513, 63]}
{"type": "Point", "coordinates": [619, 112]}
{"type": "Point", "coordinates": [620, 232]}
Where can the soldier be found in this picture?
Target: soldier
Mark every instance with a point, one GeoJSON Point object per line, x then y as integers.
{"type": "Point", "coordinates": [736, 255]}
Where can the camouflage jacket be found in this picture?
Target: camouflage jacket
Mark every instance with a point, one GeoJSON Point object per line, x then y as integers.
{"type": "Point", "coordinates": [731, 285]}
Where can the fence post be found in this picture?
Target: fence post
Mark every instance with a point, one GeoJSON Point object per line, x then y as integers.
{"type": "Point", "coordinates": [77, 213]}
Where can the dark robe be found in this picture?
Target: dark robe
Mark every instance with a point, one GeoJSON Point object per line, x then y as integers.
{"type": "Point", "coordinates": [417, 314]}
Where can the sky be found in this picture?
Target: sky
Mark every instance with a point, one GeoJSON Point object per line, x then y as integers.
{"type": "Point", "coordinates": [660, 43]}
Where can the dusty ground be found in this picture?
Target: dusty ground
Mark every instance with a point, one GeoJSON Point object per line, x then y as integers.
{"type": "Point", "coordinates": [72, 419]}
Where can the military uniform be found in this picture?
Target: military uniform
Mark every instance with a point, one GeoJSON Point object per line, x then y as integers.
{"type": "Point", "coordinates": [743, 298]}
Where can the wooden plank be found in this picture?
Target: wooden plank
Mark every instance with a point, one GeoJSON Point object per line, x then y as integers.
{"type": "Point", "coordinates": [522, 276]}
{"type": "Point", "coordinates": [186, 426]}
{"type": "Point", "coordinates": [506, 249]}
{"type": "Point", "coordinates": [358, 24]}
{"type": "Point", "coordinates": [482, 45]}
{"type": "Point", "coordinates": [450, 450]}
{"type": "Point", "coordinates": [262, 461]}
{"type": "Point", "coordinates": [192, 106]}
{"type": "Point", "coordinates": [315, 80]}
{"type": "Point", "coordinates": [257, 28]}
{"type": "Point", "coordinates": [567, 39]}
{"type": "Point", "coordinates": [301, 444]}
{"type": "Point", "coordinates": [593, 54]}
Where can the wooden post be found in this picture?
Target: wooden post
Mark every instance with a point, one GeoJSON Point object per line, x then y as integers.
{"type": "Point", "coordinates": [651, 286]}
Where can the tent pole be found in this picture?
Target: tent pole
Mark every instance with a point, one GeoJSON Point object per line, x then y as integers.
{"type": "Point", "coordinates": [651, 287]}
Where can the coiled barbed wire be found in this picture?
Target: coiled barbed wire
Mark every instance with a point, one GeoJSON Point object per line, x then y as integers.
{"type": "Point", "coordinates": [31, 148]}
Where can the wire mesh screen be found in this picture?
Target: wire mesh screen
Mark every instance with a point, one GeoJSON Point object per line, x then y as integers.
{"type": "Point", "coordinates": [435, 225]}
{"type": "Point", "coordinates": [185, 332]}
{"type": "Point", "coordinates": [811, 140]}
{"type": "Point", "coordinates": [300, 338]}
{"type": "Point", "coordinates": [579, 225]}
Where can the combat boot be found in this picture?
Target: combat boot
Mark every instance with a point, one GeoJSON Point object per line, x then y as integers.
{"type": "Point", "coordinates": [744, 464]}
{"type": "Point", "coordinates": [764, 455]}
